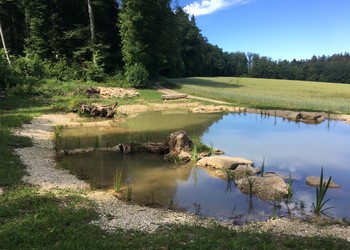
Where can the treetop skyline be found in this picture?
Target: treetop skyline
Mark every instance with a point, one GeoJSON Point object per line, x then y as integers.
{"type": "Point", "coordinates": [286, 30]}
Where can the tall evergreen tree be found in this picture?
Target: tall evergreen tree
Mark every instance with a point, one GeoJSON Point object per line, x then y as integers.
{"type": "Point", "coordinates": [144, 32]}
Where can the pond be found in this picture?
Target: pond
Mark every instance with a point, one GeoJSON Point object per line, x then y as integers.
{"type": "Point", "coordinates": [286, 146]}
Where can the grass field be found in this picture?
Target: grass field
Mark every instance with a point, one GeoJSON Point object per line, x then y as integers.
{"type": "Point", "coordinates": [269, 93]}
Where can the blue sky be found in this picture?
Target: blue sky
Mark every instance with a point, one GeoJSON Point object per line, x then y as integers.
{"type": "Point", "coordinates": [280, 29]}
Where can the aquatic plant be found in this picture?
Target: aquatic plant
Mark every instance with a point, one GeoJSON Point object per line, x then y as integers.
{"type": "Point", "coordinates": [276, 207]}
{"type": "Point", "coordinates": [151, 199]}
{"type": "Point", "coordinates": [211, 148]}
{"type": "Point", "coordinates": [290, 187]}
{"type": "Point", "coordinates": [57, 136]}
{"type": "Point", "coordinates": [197, 208]}
{"type": "Point", "coordinates": [91, 182]}
{"type": "Point", "coordinates": [200, 147]}
{"type": "Point", "coordinates": [129, 193]}
{"type": "Point", "coordinates": [320, 195]}
{"type": "Point", "coordinates": [229, 175]}
{"type": "Point", "coordinates": [195, 154]}
{"type": "Point", "coordinates": [118, 180]}
{"type": "Point", "coordinates": [262, 170]}
{"type": "Point", "coordinates": [66, 164]}
{"type": "Point", "coordinates": [195, 175]}
{"type": "Point", "coordinates": [97, 142]}
{"type": "Point", "coordinates": [250, 185]}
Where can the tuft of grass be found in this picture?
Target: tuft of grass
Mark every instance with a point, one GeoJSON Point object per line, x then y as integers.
{"type": "Point", "coordinates": [320, 195]}
{"type": "Point", "coordinates": [118, 180]}
{"type": "Point", "coordinates": [200, 147]}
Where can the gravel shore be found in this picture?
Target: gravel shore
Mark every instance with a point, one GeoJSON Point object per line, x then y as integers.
{"type": "Point", "coordinates": [113, 213]}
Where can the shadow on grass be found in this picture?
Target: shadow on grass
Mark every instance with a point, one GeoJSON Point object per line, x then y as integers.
{"type": "Point", "coordinates": [207, 82]}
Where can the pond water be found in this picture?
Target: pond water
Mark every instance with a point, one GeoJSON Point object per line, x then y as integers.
{"type": "Point", "coordinates": [286, 146]}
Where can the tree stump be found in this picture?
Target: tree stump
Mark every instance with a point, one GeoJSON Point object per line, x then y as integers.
{"type": "Point", "coordinates": [179, 141]}
{"type": "Point", "coordinates": [97, 111]}
{"type": "Point", "coordinates": [176, 146]}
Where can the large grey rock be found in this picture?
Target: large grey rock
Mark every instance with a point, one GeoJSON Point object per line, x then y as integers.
{"type": "Point", "coordinates": [266, 188]}
{"type": "Point", "coordinates": [314, 181]}
{"type": "Point", "coordinates": [223, 162]}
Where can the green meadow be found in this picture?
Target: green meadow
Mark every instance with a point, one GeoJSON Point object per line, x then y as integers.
{"type": "Point", "coordinates": [269, 93]}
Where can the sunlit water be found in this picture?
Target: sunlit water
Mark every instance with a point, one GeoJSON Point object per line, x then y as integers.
{"type": "Point", "coordinates": [286, 146]}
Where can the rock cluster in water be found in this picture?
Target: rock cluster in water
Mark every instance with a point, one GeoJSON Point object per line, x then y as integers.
{"type": "Point", "coordinates": [242, 171]}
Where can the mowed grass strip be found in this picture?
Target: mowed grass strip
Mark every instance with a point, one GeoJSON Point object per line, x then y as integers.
{"type": "Point", "coordinates": [269, 93]}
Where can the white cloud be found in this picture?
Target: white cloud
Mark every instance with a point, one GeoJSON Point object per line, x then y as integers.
{"type": "Point", "coordinates": [205, 7]}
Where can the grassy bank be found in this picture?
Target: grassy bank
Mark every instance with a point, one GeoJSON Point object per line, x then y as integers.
{"type": "Point", "coordinates": [32, 220]}
{"type": "Point", "coordinates": [269, 93]}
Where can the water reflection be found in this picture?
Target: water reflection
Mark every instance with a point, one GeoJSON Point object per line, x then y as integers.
{"type": "Point", "coordinates": [287, 146]}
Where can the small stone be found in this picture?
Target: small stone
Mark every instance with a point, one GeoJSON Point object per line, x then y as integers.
{"type": "Point", "coordinates": [314, 181]}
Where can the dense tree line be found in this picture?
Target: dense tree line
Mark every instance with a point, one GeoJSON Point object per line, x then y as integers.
{"type": "Point", "coordinates": [87, 39]}
{"type": "Point", "coordinates": [335, 68]}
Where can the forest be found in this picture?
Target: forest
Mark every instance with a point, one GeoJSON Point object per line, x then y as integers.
{"type": "Point", "coordinates": [132, 41]}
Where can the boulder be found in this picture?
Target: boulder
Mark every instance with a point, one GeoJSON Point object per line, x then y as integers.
{"type": "Point", "coordinates": [244, 170]}
{"type": "Point", "coordinates": [294, 116]}
{"type": "Point", "coordinates": [266, 188]}
{"type": "Point", "coordinates": [310, 116]}
{"type": "Point", "coordinates": [224, 162]}
{"type": "Point", "coordinates": [314, 181]}
{"type": "Point", "coordinates": [181, 157]}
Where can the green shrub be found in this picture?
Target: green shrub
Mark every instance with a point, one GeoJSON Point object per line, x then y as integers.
{"type": "Point", "coordinates": [95, 72]}
{"type": "Point", "coordinates": [29, 66]}
{"type": "Point", "coordinates": [62, 70]}
{"type": "Point", "coordinates": [137, 76]}
{"type": "Point", "coordinates": [117, 80]}
{"type": "Point", "coordinates": [7, 78]}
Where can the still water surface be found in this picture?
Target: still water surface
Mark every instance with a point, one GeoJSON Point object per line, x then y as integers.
{"type": "Point", "coordinates": [286, 146]}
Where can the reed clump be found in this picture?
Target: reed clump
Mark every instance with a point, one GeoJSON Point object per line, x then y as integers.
{"type": "Point", "coordinates": [320, 195]}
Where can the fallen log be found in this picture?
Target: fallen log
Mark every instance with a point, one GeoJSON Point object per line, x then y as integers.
{"type": "Point", "coordinates": [150, 147]}
{"type": "Point", "coordinates": [174, 97]}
